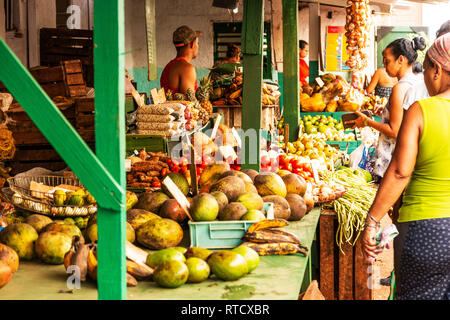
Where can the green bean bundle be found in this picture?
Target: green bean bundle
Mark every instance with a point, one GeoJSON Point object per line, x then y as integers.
{"type": "Point", "coordinates": [351, 209]}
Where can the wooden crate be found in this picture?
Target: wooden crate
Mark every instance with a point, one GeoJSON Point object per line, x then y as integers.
{"type": "Point", "coordinates": [343, 275]}
{"type": "Point", "coordinates": [85, 113]}
{"type": "Point", "coordinates": [58, 45]}
{"type": "Point", "coordinates": [233, 116]}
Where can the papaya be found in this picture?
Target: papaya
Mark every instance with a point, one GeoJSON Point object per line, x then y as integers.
{"type": "Point", "coordinates": [233, 211]}
{"type": "Point", "coordinates": [132, 199]}
{"type": "Point", "coordinates": [9, 256]}
{"type": "Point", "coordinates": [212, 173]}
{"type": "Point", "coordinates": [231, 186]}
{"type": "Point", "coordinates": [294, 184]}
{"type": "Point", "coordinates": [238, 174]}
{"type": "Point", "coordinates": [21, 238]}
{"type": "Point", "coordinates": [251, 173]}
{"type": "Point", "coordinates": [151, 201]}
{"type": "Point", "coordinates": [5, 274]}
{"type": "Point", "coordinates": [251, 201]}
{"type": "Point", "coordinates": [52, 246]}
{"type": "Point", "coordinates": [297, 206]}
{"type": "Point", "coordinates": [137, 217]}
{"type": "Point", "coordinates": [269, 183]}
{"type": "Point", "coordinates": [281, 208]}
{"type": "Point", "coordinates": [69, 229]}
{"type": "Point", "coordinates": [38, 221]}
{"type": "Point", "coordinates": [159, 234]}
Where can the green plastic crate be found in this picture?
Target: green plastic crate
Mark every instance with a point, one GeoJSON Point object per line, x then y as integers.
{"type": "Point", "coordinates": [222, 234]}
{"type": "Point", "coordinates": [336, 115]}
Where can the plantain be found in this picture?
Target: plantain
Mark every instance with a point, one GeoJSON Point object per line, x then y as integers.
{"type": "Point", "coordinates": [278, 248]}
{"type": "Point", "coordinates": [92, 264]}
{"type": "Point", "coordinates": [131, 281]}
{"type": "Point", "coordinates": [138, 271]}
{"type": "Point", "coordinates": [80, 257]}
{"type": "Point", "coordinates": [266, 236]}
{"type": "Point", "coordinates": [267, 224]}
{"type": "Point", "coordinates": [292, 237]}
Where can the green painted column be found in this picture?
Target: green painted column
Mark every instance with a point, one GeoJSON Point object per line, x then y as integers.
{"type": "Point", "coordinates": [252, 49]}
{"type": "Point", "coordinates": [291, 86]}
{"type": "Point", "coordinates": [109, 81]}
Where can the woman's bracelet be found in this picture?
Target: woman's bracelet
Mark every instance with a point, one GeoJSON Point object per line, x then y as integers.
{"type": "Point", "coordinates": [372, 225]}
{"type": "Point", "coordinates": [373, 219]}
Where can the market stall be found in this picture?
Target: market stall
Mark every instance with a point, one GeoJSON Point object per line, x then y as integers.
{"type": "Point", "coordinates": [172, 170]}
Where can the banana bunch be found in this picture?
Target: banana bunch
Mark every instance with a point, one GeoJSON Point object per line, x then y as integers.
{"type": "Point", "coordinates": [264, 238]}
{"type": "Point", "coordinates": [84, 257]}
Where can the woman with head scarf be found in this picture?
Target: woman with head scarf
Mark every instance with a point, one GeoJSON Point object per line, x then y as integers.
{"type": "Point", "coordinates": [421, 164]}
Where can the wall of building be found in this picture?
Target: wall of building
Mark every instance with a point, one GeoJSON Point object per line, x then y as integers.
{"type": "Point", "coordinates": [198, 14]}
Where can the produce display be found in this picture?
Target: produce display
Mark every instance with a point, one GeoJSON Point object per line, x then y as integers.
{"type": "Point", "coordinates": [161, 119]}
{"type": "Point", "coordinates": [327, 128]}
{"type": "Point", "coordinates": [332, 94]}
{"type": "Point", "coordinates": [308, 148]}
{"type": "Point", "coordinates": [373, 102]}
{"type": "Point", "coordinates": [230, 92]}
{"type": "Point", "coordinates": [67, 200]}
{"type": "Point", "coordinates": [147, 169]}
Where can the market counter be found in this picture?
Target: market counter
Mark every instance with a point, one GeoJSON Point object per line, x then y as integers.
{"type": "Point", "coordinates": [276, 278]}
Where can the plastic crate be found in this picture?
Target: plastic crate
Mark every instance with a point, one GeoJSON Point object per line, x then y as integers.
{"type": "Point", "coordinates": [336, 115]}
{"type": "Point", "coordinates": [222, 234]}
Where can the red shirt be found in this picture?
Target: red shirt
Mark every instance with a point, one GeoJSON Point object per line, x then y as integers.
{"type": "Point", "coordinates": [164, 81]}
{"type": "Point", "coordinates": [304, 71]}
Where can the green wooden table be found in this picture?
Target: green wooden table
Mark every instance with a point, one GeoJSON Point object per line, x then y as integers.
{"type": "Point", "coordinates": [276, 278]}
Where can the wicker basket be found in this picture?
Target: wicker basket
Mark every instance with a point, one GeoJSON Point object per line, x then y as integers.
{"type": "Point", "coordinates": [21, 196]}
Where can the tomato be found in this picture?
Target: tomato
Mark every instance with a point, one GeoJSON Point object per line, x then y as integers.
{"type": "Point", "coordinates": [176, 168]}
{"type": "Point", "coordinates": [184, 161]}
{"type": "Point", "coordinates": [175, 162]}
{"type": "Point", "coordinates": [296, 164]}
{"type": "Point", "coordinates": [156, 184]}
{"type": "Point", "coordinates": [164, 172]}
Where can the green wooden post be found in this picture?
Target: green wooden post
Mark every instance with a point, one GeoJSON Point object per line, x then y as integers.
{"type": "Point", "coordinates": [109, 79]}
{"type": "Point", "coordinates": [58, 131]}
{"type": "Point", "coordinates": [252, 49]}
{"type": "Point", "coordinates": [291, 88]}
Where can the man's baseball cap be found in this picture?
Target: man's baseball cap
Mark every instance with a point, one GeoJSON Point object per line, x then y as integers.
{"type": "Point", "coordinates": [185, 35]}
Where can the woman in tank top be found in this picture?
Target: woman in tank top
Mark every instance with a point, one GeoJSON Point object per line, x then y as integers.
{"type": "Point", "coordinates": [421, 164]}
{"type": "Point", "coordinates": [398, 58]}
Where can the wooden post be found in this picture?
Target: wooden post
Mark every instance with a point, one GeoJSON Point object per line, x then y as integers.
{"type": "Point", "coordinates": [252, 49]}
{"type": "Point", "coordinates": [109, 79]}
{"type": "Point", "coordinates": [291, 88]}
{"type": "Point", "coordinates": [362, 290]}
{"type": "Point", "coordinates": [327, 244]}
{"type": "Point", "coordinates": [345, 291]}
{"type": "Point", "coordinates": [314, 40]}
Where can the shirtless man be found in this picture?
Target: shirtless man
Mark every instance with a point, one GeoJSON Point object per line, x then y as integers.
{"type": "Point", "coordinates": [179, 74]}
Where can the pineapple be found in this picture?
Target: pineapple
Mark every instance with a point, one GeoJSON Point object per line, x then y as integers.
{"type": "Point", "coordinates": [190, 95]}
{"type": "Point", "coordinates": [203, 92]}
{"type": "Point", "coordinates": [179, 97]}
{"type": "Point", "coordinates": [169, 95]}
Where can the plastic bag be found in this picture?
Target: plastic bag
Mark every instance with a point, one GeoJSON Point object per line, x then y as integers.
{"type": "Point", "coordinates": [361, 157]}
